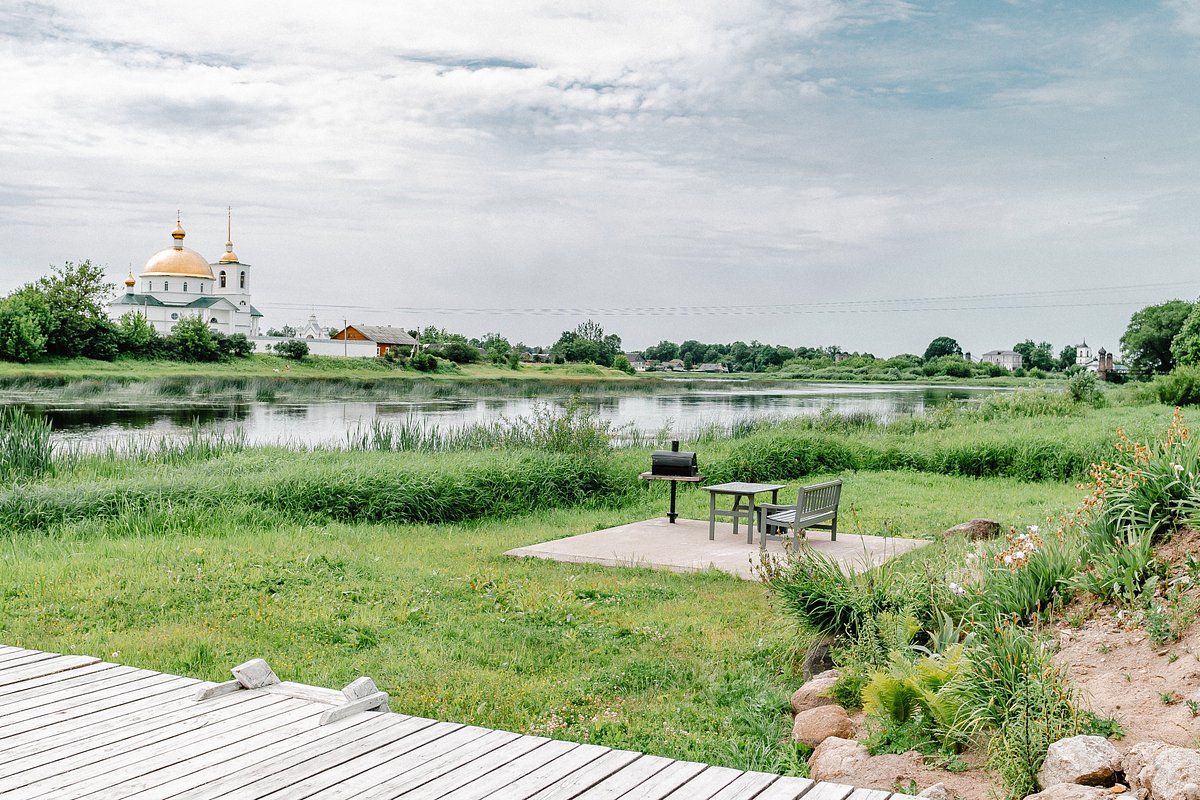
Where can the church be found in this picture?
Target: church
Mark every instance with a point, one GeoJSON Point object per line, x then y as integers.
{"type": "Point", "coordinates": [178, 282]}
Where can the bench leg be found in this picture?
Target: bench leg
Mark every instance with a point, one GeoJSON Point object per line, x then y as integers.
{"type": "Point", "coordinates": [712, 516]}
{"type": "Point", "coordinates": [833, 529]}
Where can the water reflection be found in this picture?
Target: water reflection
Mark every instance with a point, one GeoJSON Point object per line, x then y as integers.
{"type": "Point", "coordinates": [684, 409]}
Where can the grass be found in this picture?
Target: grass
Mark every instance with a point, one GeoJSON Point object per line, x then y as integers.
{"type": "Point", "coordinates": [693, 666]}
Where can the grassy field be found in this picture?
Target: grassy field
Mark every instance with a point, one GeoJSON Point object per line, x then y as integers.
{"type": "Point", "coordinates": [689, 666]}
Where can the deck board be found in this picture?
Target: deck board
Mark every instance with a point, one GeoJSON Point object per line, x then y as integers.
{"type": "Point", "coordinates": [74, 727]}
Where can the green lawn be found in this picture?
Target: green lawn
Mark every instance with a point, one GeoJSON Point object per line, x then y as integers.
{"type": "Point", "coordinates": [692, 666]}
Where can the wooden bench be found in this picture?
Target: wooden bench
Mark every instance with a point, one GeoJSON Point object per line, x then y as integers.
{"type": "Point", "coordinates": [816, 508]}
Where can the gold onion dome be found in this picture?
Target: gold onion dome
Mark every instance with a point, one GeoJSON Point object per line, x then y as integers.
{"type": "Point", "coordinates": [177, 260]}
{"type": "Point", "coordinates": [129, 280]}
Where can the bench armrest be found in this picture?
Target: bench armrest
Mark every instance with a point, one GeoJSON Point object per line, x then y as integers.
{"type": "Point", "coordinates": [775, 506]}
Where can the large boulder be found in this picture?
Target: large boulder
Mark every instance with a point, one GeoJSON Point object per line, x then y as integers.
{"type": "Point", "coordinates": [836, 759]}
{"type": "Point", "coordinates": [1083, 760]}
{"type": "Point", "coordinates": [817, 724]}
{"type": "Point", "coordinates": [815, 692]}
{"type": "Point", "coordinates": [975, 530]}
{"type": "Point", "coordinates": [1157, 771]}
{"type": "Point", "coordinates": [1074, 791]}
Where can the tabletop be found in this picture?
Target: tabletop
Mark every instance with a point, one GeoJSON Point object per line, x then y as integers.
{"type": "Point", "coordinates": [738, 487]}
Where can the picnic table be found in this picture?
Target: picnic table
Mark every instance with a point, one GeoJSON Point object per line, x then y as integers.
{"type": "Point", "coordinates": [739, 491]}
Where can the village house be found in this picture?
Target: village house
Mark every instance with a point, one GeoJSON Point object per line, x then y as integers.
{"type": "Point", "coordinates": [1009, 359]}
{"type": "Point", "coordinates": [385, 338]}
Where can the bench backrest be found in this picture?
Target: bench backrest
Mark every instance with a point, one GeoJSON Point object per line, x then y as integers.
{"type": "Point", "coordinates": [819, 497]}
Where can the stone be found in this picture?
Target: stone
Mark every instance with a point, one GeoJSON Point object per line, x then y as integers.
{"type": "Point", "coordinates": [1157, 771]}
{"type": "Point", "coordinates": [836, 759]}
{"type": "Point", "coordinates": [815, 692]}
{"type": "Point", "coordinates": [935, 792]}
{"type": "Point", "coordinates": [817, 724]}
{"type": "Point", "coordinates": [1083, 760]}
{"type": "Point", "coordinates": [975, 530]}
{"type": "Point", "coordinates": [254, 674]}
{"type": "Point", "coordinates": [1075, 791]}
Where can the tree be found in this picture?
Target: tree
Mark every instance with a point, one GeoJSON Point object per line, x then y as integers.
{"type": "Point", "coordinates": [1067, 357]}
{"type": "Point", "coordinates": [191, 340]}
{"type": "Point", "coordinates": [238, 346]}
{"type": "Point", "coordinates": [287, 331]}
{"type": "Point", "coordinates": [75, 295]}
{"type": "Point", "coordinates": [942, 346]}
{"type": "Point", "coordinates": [496, 347]}
{"type": "Point", "coordinates": [1185, 347]}
{"type": "Point", "coordinates": [663, 351]}
{"type": "Point", "coordinates": [458, 352]}
{"type": "Point", "coordinates": [24, 322]}
{"type": "Point", "coordinates": [136, 335]}
{"type": "Point", "coordinates": [295, 349]}
{"type": "Point", "coordinates": [1035, 356]}
{"type": "Point", "coordinates": [621, 362]}
{"type": "Point", "coordinates": [587, 343]}
{"type": "Point", "coordinates": [1147, 341]}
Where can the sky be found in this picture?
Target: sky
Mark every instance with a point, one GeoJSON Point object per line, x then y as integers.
{"type": "Point", "coordinates": [869, 174]}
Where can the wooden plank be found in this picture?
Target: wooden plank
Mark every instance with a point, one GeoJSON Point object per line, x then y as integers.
{"type": "Point", "coordinates": [67, 730]}
{"type": "Point", "coordinates": [655, 787]}
{"type": "Point", "coordinates": [245, 748]}
{"type": "Point", "coordinates": [504, 781]}
{"type": "Point", "coordinates": [59, 680]}
{"type": "Point", "coordinates": [786, 788]}
{"type": "Point", "coordinates": [828, 791]}
{"type": "Point", "coordinates": [49, 667]}
{"type": "Point", "coordinates": [119, 696]}
{"type": "Point", "coordinates": [617, 784]}
{"type": "Point", "coordinates": [462, 769]}
{"type": "Point", "coordinates": [356, 773]}
{"type": "Point", "coordinates": [241, 755]}
{"type": "Point", "coordinates": [746, 786]}
{"type": "Point", "coordinates": [706, 784]}
{"type": "Point", "coordinates": [11, 660]}
{"type": "Point", "coordinates": [88, 745]}
{"type": "Point", "coordinates": [870, 794]}
{"type": "Point", "coordinates": [54, 695]}
{"type": "Point", "coordinates": [577, 781]}
{"type": "Point", "coordinates": [323, 756]}
{"type": "Point", "coordinates": [102, 775]}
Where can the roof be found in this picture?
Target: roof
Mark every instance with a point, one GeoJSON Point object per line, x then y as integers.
{"type": "Point", "coordinates": [384, 334]}
{"type": "Point", "coordinates": [131, 299]}
{"type": "Point", "coordinates": [1001, 353]}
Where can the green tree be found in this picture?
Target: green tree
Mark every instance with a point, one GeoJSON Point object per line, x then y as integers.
{"type": "Point", "coordinates": [1035, 356]}
{"type": "Point", "coordinates": [1147, 342]}
{"type": "Point", "coordinates": [192, 340]}
{"type": "Point", "coordinates": [24, 323]}
{"type": "Point", "coordinates": [1066, 357]}
{"type": "Point", "coordinates": [621, 362]}
{"type": "Point", "coordinates": [1185, 347]}
{"type": "Point", "coordinates": [287, 331]}
{"type": "Point", "coordinates": [587, 343]}
{"type": "Point", "coordinates": [942, 346]}
{"type": "Point", "coordinates": [295, 349]}
{"type": "Point", "coordinates": [136, 335]}
{"type": "Point", "coordinates": [663, 351]}
{"type": "Point", "coordinates": [496, 347]}
{"type": "Point", "coordinates": [76, 296]}
{"type": "Point", "coordinates": [458, 352]}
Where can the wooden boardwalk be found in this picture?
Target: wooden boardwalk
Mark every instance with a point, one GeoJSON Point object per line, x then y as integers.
{"type": "Point", "coordinates": [78, 727]}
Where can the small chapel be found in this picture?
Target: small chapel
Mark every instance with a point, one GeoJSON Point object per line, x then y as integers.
{"type": "Point", "coordinates": [178, 282]}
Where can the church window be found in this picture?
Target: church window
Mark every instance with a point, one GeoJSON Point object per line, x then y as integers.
{"type": "Point", "coordinates": [222, 279]}
{"type": "Point", "coordinates": [242, 280]}
{"type": "Point", "coordinates": [166, 286]}
{"type": "Point", "coordinates": [185, 286]}
{"type": "Point", "coordinates": [174, 316]}
{"type": "Point", "coordinates": [212, 321]}
{"type": "Point", "coordinates": [202, 288]}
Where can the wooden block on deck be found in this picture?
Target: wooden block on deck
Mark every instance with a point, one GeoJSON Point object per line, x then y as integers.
{"type": "Point", "coordinates": [255, 674]}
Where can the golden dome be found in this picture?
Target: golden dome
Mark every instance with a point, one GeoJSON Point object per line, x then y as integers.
{"type": "Point", "coordinates": [178, 260]}
{"type": "Point", "coordinates": [129, 280]}
{"type": "Point", "coordinates": [229, 257]}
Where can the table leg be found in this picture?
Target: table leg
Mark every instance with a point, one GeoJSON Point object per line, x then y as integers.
{"type": "Point", "coordinates": [671, 515]}
{"type": "Point", "coordinates": [750, 523]}
{"type": "Point", "coordinates": [712, 516]}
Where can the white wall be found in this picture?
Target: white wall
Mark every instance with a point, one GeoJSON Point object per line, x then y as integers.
{"type": "Point", "coordinates": [321, 347]}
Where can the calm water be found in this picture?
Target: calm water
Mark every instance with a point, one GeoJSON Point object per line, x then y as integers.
{"type": "Point", "coordinates": [686, 409]}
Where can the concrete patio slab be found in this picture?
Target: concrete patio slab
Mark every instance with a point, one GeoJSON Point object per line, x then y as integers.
{"type": "Point", "coordinates": [685, 547]}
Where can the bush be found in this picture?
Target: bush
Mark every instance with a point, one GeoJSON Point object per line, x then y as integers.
{"type": "Point", "coordinates": [458, 352]}
{"type": "Point", "coordinates": [1083, 387]}
{"type": "Point", "coordinates": [621, 362]}
{"type": "Point", "coordinates": [423, 362]}
{"type": "Point", "coordinates": [1179, 388]}
{"type": "Point", "coordinates": [192, 340]}
{"type": "Point", "coordinates": [295, 349]}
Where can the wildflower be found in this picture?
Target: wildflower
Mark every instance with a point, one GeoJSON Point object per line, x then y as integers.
{"type": "Point", "coordinates": [955, 589]}
{"type": "Point", "coordinates": [1019, 555]}
{"type": "Point", "coordinates": [1008, 560]}
{"type": "Point", "coordinates": [1034, 530]}
{"type": "Point", "coordinates": [1177, 467]}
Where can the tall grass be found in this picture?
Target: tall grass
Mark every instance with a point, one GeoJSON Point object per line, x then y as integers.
{"type": "Point", "coordinates": [26, 450]}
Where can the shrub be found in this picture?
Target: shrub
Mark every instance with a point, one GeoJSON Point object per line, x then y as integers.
{"type": "Point", "coordinates": [1179, 388]}
{"type": "Point", "coordinates": [1083, 387]}
{"type": "Point", "coordinates": [621, 362]}
{"type": "Point", "coordinates": [192, 340]}
{"type": "Point", "coordinates": [295, 349]}
{"type": "Point", "coordinates": [458, 352]}
{"type": "Point", "coordinates": [423, 361]}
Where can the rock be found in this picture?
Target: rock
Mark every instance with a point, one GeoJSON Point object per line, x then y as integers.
{"type": "Point", "coordinates": [1083, 760]}
{"type": "Point", "coordinates": [1157, 771]}
{"type": "Point", "coordinates": [836, 759]}
{"type": "Point", "coordinates": [935, 792]}
{"type": "Point", "coordinates": [815, 692]}
{"type": "Point", "coordinates": [1074, 791]}
{"type": "Point", "coordinates": [817, 724]}
{"type": "Point", "coordinates": [975, 530]}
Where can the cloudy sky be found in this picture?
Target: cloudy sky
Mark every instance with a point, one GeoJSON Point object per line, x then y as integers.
{"type": "Point", "coordinates": [868, 173]}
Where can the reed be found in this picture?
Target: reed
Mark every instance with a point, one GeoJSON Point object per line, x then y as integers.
{"type": "Point", "coordinates": [26, 451]}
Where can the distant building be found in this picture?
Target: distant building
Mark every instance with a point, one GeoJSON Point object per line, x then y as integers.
{"type": "Point", "coordinates": [712, 368]}
{"type": "Point", "coordinates": [1009, 359]}
{"type": "Point", "coordinates": [636, 361]}
{"type": "Point", "coordinates": [385, 338]}
{"type": "Point", "coordinates": [178, 283]}
{"type": "Point", "coordinates": [313, 330]}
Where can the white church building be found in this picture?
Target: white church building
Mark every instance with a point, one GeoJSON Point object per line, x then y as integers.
{"type": "Point", "coordinates": [178, 282]}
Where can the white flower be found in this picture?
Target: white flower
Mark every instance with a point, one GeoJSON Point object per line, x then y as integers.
{"type": "Point", "coordinates": [1019, 554]}
{"type": "Point", "coordinates": [1034, 529]}
{"type": "Point", "coordinates": [956, 589]}
{"type": "Point", "coordinates": [1008, 559]}
{"type": "Point", "coordinates": [1177, 467]}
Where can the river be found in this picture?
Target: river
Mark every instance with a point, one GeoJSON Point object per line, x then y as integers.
{"type": "Point", "coordinates": [689, 407]}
